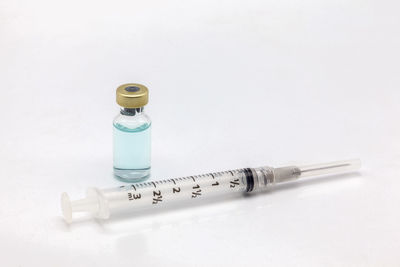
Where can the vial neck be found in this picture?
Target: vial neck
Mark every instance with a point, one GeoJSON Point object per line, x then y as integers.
{"type": "Point", "coordinates": [131, 111]}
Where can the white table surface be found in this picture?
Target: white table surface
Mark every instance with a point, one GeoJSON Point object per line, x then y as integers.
{"type": "Point", "coordinates": [232, 84]}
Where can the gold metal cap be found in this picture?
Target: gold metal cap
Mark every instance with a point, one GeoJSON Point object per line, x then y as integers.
{"type": "Point", "coordinates": [132, 95]}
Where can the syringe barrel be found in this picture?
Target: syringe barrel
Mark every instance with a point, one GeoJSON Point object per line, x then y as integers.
{"type": "Point", "coordinates": [185, 189]}
{"type": "Point", "coordinates": [102, 203]}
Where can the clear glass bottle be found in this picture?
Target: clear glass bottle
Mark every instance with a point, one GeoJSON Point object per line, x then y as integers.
{"type": "Point", "coordinates": [132, 134]}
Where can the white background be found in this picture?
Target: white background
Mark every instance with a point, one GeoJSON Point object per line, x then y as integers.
{"type": "Point", "coordinates": [232, 84]}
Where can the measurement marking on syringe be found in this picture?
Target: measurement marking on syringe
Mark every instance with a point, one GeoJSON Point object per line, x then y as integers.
{"type": "Point", "coordinates": [133, 187]}
{"type": "Point", "coordinates": [212, 175]}
{"type": "Point", "coordinates": [173, 181]}
{"type": "Point", "coordinates": [154, 184]}
{"type": "Point", "coordinates": [134, 196]}
{"type": "Point", "coordinates": [231, 173]}
{"type": "Point", "coordinates": [197, 192]}
{"type": "Point", "coordinates": [193, 178]}
{"type": "Point", "coordinates": [234, 183]}
{"type": "Point", "coordinates": [157, 197]}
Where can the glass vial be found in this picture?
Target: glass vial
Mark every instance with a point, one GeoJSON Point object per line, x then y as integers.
{"type": "Point", "coordinates": [132, 134]}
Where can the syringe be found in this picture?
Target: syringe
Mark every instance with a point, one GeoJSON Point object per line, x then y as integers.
{"type": "Point", "coordinates": [102, 203]}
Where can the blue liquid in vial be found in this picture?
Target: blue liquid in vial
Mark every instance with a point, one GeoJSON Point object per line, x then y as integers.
{"type": "Point", "coordinates": [132, 152]}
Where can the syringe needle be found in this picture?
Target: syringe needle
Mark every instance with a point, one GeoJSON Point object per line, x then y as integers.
{"type": "Point", "coordinates": [330, 168]}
